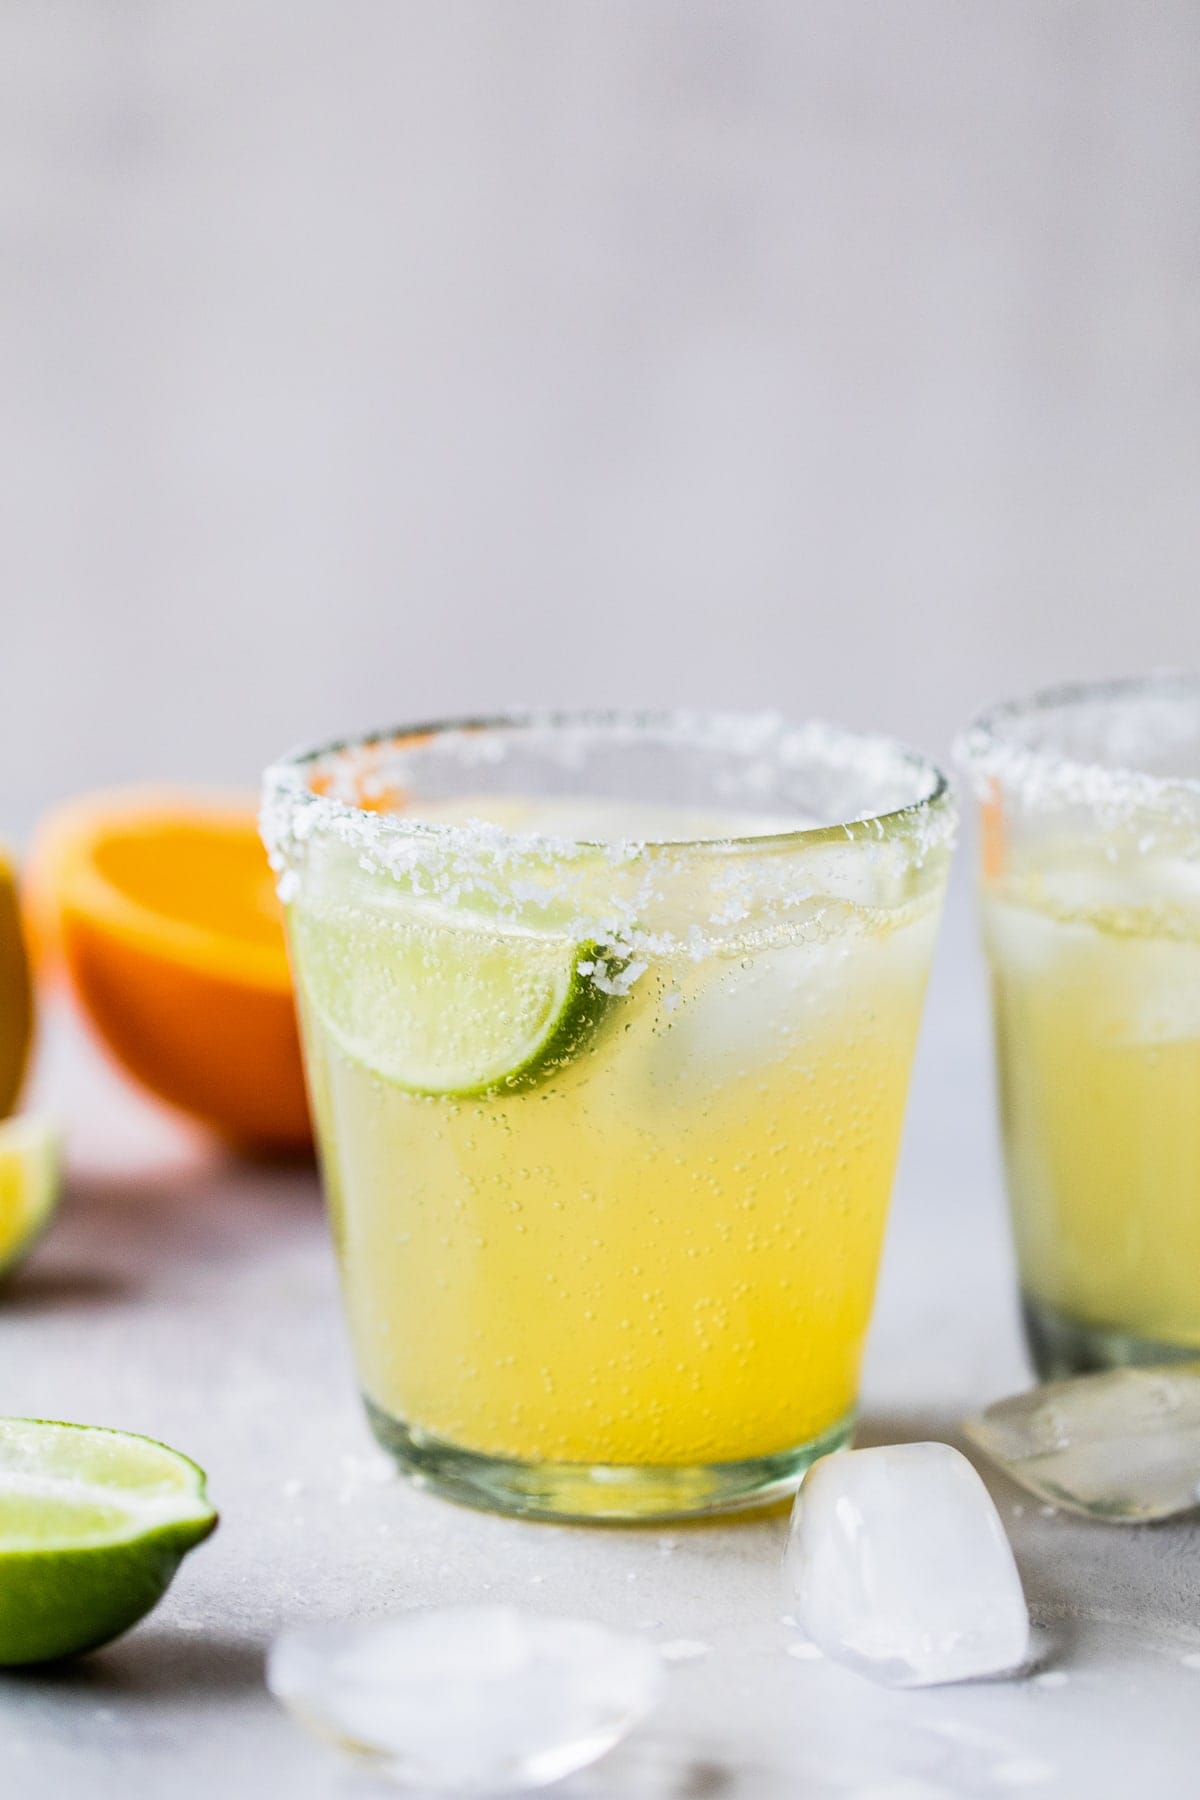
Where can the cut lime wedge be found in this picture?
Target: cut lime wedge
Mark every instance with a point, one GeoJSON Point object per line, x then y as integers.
{"type": "Point", "coordinates": [451, 1009]}
{"type": "Point", "coordinates": [93, 1525]}
{"type": "Point", "coordinates": [30, 1161]}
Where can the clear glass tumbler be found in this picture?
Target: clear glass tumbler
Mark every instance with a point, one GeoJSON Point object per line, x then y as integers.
{"type": "Point", "coordinates": [1090, 811]}
{"type": "Point", "coordinates": [608, 1023]}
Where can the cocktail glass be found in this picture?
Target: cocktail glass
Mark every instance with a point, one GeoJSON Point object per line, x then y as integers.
{"type": "Point", "coordinates": [1090, 832]}
{"type": "Point", "coordinates": [608, 1023]}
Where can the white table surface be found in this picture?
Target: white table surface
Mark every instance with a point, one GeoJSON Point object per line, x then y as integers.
{"type": "Point", "coordinates": [194, 1299]}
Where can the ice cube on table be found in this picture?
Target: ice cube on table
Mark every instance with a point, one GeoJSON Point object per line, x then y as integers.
{"type": "Point", "coordinates": [469, 1700]}
{"type": "Point", "coordinates": [897, 1565]}
{"type": "Point", "coordinates": [1123, 1445]}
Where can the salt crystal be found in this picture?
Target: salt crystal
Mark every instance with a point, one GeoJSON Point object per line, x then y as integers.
{"type": "Point", "coordinates": [1023, 1771]}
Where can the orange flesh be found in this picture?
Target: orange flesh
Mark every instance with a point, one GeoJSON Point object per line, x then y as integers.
{"type": "Point", "coordinates": [172, 935]}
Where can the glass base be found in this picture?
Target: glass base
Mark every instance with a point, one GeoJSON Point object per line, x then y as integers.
{"type": "Point", "coordinates": [598, 1493]}
{"type": "Point", "coordinates": [1061, 1346]}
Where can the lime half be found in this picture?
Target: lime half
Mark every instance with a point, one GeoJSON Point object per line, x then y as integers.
{"type": "Point", "coordinates": [93, 1525]}
{"type": "Point", "coordinates": [30, 1164]}
{"type": "Point", "coordinates": [452, 1008]}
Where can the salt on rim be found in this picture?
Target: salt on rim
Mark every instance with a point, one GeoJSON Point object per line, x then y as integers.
{"type": "Point", "coordinates": [292, 811]}
{"type": "Point", "coordinates": [615, 891]}
{"type": "Point", "coordinates": [1145, 714]}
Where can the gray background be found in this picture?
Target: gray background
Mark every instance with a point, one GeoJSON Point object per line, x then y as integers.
{"type": "Point", "coordinates": [371, 360]}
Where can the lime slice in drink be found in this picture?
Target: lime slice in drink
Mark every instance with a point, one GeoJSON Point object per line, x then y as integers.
{"type": "Point", "coordinates": [452, 1009]}
{"type": "Point", "coordinates": [30, 1162]}
{"type": "Point", "coordinates": [93, 1525]}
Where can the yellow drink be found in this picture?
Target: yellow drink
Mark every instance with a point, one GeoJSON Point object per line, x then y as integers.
{"type": "Point", "coordinates": [1095, 961]}
{"type": "Point", "coordinates": [664, 1253]}
{"type": "Point", "coordinates": [608, 1096]}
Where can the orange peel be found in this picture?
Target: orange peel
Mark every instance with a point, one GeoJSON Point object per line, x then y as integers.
{"type": "Point", "coordinates": [162, 907]}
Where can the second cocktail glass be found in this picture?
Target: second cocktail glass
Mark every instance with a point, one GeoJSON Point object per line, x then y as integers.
{"type": "Point", "coordinates": [1090, 804]}
{"type": "Point", "coordinates": [608, 1023]}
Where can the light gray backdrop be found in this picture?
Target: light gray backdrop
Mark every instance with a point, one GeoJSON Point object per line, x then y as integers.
{"type": "Point", "coordinates": [371, 359]}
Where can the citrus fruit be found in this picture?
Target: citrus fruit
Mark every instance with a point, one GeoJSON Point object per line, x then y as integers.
{"type": "Point", "coordinates": [451, 1008]}
{"type": "Point", "coordinates": [93, 1525]}
{"type": "Point", "coordinates": [164, 909]}
{"type": "Point", "coordinates": [30, 1162]}
{"type": "Point", "coordinates": [16, 1000]}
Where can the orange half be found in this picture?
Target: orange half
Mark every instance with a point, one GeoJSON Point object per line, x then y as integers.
{"type": "Point", "coordinates": [163, 908]}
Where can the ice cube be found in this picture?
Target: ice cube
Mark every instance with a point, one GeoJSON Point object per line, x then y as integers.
{"type": "Point", "coordinates": [469, 1700]}
{"type": "Point", "coordinates": [897, 1565]}
{"type": "Point", "coordinates": [1122, 1445]}
{"type": "Point", "coordinates": [733, 1016]}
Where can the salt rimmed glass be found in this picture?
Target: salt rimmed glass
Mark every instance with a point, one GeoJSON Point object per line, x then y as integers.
{"type": "Point", "coordinates": [1090, 836]}
{"type": "Point", "coordinates": [607, 1024]}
